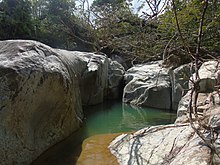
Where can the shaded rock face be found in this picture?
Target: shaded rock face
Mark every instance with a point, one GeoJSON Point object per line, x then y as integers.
{"type": "Point", "coordinates": [115, 76]}
{"type": "Point", "coordinates": [179, 80]}
{"type": "Point", "coordinates": [39, 100]}
{"type": "Point", "coordinates": [161, 145]}
{"type": "Point", "coordinates": [92, 72]}
{"type": "Point", "coordinates": [99, 77]}
{"type": "Point", "coordinates": [121, 61]}
{"type": "Point", "coordinates": [148, 85]}
{"type": "Point", "coordinates": [93, 81]}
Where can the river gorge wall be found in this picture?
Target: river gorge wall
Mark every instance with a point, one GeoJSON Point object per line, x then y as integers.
{"type": "Point", "coordinates": [42, 91]}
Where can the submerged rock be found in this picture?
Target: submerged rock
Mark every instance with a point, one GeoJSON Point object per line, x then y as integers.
{"type": "Point", "coordinates": [39, 100]}
{"type": "Point", "coordinates": [95, 150]}
{"type": "Point", "coordinates": [148, 85]}
{"type": "Point", "coordinates": [161, 145]}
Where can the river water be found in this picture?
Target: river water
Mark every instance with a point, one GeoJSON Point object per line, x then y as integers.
{"type": "Point", "coordinates": [107, 118]}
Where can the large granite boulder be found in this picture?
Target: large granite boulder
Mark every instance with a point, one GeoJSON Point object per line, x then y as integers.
{"type": "Point", "coordinates": [40, 101]}
{"type": "Point", "coordinates": [42, 90]}
{"type": "Point", "coordinates": [148, 85]}
{"type": "Point", "coordinates": [179, 80]}
{"type": "Point", "coordinates": [161, 145]}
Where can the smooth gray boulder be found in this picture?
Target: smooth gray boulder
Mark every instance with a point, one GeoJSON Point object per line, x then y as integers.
{"type": "Point", "coordinates": [179, 80]}
{"type": "Point", "coordinates": [40, 101]}
{"type": "Point", "coordinates": [115, 76]}
{"type": "Point", "coordinates": [161, 145]}
{"type": "Point", "coordinates": [148, 85]}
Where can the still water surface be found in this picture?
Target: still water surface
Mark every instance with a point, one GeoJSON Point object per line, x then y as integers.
{"type": "Point", "coordinates": [106, 118]}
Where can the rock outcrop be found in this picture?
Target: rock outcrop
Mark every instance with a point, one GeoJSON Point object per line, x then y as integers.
{"type": "Point", "coordinates": [161, 145]}
{"type": "Point", "coordinates": [148, 85]}
{"type": "Point", "coordinates": [39, 100]}
{"type": "Point", "coordinates": [203, 104]}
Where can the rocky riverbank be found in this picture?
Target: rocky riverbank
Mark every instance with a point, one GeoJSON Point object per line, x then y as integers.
{"type": "Point", "coordinates": [177, 143]}
{"type": "Point", "coordinates": [42, 91]}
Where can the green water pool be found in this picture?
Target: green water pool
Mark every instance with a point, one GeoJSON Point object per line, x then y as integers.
{"type": "Point", "coordinates": [106, 118]}
{"type": "Point", "coordinates": [115, 117]}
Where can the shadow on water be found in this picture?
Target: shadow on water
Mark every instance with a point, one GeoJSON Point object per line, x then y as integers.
{"type": "Point", "coordinates": [107, 118]}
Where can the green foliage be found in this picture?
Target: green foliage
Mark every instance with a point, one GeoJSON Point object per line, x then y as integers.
{"type": "Point", "coordinates": [189, 15]}
{"type": "Point", "coordinates": [111, 26]}
{"type": "Point", "coordinates": [52, 22]}
{"type": "Point", "coordinates": [59, 27]}
{"type": "Point", "coordinates": [49, 17]}
{"type": "Point", "coordinates": [122, 32]}
{"type": "Point", "coordinates": [15, 19]}
{"type": "Point", "coordinates": [108, 2]}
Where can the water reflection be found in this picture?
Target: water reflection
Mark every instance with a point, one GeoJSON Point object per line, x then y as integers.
{"type": "Point", "coordinates": [118, 117]}
{"type": "Point", "coordinates": [135, 118]}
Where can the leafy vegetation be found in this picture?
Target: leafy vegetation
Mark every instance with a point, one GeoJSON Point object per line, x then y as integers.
{"type": "Point", "coordinates": [114, 27]}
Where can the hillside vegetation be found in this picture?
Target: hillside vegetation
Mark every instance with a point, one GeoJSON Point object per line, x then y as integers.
{"type": "Point", "coordinates": [149, 32]}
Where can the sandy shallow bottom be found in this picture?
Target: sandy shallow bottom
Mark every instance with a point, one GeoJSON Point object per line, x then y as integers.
{"type": "Point", "coordinates": [95, 151]}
